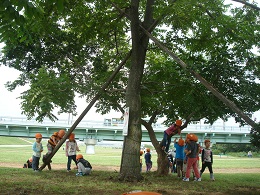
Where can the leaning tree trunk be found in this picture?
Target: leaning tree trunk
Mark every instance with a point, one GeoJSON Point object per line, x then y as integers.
{"type": "Point", "coordinates": [162, 160]}
{"type": "Point", "coordinates": [97, 96]}
{"type": "Point", "coordinates": [130, 162]}
{"type": "Point", "coordinates": [203, 81]}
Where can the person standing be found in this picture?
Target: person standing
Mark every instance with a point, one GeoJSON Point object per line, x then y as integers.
{"type": "Point", "coordinates": [191, 151]}
{"type": "Point", "coordinates": [168, 133]}
{"type": "Point", "coordinates": [148, 159]}
{"type": "Point", "coordinates": [37, 150]}
{"type": "Point", "coordinates": [207, 159]}
{"type": "Point", "coordinates": [179, 156]}
{"type": "Point", "coordinates": [141, 159]}
{"type": "Point", "coordinates": [70, 150]}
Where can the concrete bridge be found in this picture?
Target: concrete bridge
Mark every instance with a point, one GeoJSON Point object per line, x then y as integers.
{"type": "Point", "coordinates": [112, 129]}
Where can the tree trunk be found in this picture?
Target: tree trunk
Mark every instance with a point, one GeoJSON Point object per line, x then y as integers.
{"type": "Point", "coordinates": [130, 162]}
{"type": "Point", "coordinates": [162, 160]}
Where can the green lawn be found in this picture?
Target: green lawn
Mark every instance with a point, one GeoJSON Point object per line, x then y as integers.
{"type": "Point", "coordinates": [25, 181]}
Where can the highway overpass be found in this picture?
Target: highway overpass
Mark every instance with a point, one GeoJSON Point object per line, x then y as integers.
{"type": "Point", "coordinates": [111, 129]}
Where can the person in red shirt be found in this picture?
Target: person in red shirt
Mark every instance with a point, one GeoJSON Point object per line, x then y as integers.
{"type": "Point", "coordinates": [168, 133]}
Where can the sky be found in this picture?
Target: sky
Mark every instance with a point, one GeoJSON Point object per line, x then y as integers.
{"type": "Point", "coordinates": [10, 104]}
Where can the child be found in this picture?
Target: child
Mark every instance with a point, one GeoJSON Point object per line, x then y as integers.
{"type": "Point", "coordinates": [171, 160]}
{"type": "Point", "coordinates": [52, 142]}
{"type": "Point", "coordinates": [207, 159]}
{"type": "Point", "coordinates": [37, 149]}
{"type": "Point", "coordinates": [141, 160]}
{"type": "Point", "coordinates": [179, 156]}
{"type": "Point", "coordinates": [28, 163]}
{"type": "Point", "coordinates": [70, 149]}
{"type": "Point", "coordinates": [192, 152]}
{"type": "Point", "coordinates": [84, 167]}
{"type": "Point", "coordinates": [148, 160]}
{"type": "Point", "coordinates": [168, 133]}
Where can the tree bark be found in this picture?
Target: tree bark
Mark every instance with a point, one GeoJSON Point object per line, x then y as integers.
{"type": "Point", "coordinates": [130, 162]}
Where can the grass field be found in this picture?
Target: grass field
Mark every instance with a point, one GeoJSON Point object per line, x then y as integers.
{"type": "Point", "coordinates": [15, 180]}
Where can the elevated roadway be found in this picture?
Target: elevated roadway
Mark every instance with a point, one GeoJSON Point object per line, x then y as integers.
{"type": "Point", "coordinates": [108, 130]}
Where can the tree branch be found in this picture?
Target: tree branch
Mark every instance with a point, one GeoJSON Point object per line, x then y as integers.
{"type": "Point", "coordinates": [248, 4]}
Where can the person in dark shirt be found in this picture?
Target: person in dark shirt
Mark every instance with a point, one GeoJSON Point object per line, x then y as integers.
{"type": "Point", "coordinates": [191, 151]}
{"type": "Point", "coordinates": [84, 167]}
{"type": "Point", "coordinates": [28, 163]}
{"type": "Point", "coordinates": [207, 159]}
{"type": "Point", "coordinates": [148, 160]}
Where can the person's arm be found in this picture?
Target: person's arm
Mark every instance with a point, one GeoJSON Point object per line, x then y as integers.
{"type": "Point", "coordinates": [202, 156]}
{"type": "Point", "coordinates": [77, 148]}
{"type": "Point", "coordinates": [211, 157]}
{"type": "Point", "coordinates": [34, 147]}
{"type": "Point", "coordinates": [66, 148]}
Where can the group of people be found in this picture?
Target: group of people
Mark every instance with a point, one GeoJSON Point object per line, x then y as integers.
{"type": "Point", "coordinates": [187, 153]}
{"type": "Point", "coordinates": [83, 166]}
{"type": "Point", "coordinates": [147, 158]}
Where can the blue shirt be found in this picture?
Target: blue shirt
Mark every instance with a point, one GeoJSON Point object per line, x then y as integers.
{"type": "Point", "coordinates": [147, 157]}
{"type": "Point", "coordinates": [179, 151]}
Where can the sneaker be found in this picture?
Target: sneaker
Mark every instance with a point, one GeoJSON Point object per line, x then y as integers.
{"type": "Point", "coordinates": [186, 179]}
{"type": "Point", "coordinates": [68, 170]}
{"type": "Point", "coordinates": [199, 179]}
{"type": "Point", "coordinates": [79, 174]}
{"type": "Point", "coordinates": [213, 179]}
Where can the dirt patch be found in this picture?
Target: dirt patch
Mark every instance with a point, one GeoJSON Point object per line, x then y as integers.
{"type": "Point", "coordinates": [117, 168]}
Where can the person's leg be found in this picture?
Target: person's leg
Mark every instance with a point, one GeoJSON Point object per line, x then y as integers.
{"type": "Point", "coordinates": [189, 164]}
{"type": "Point", "coordinates": [203, 168]}
{"type": "Point", "coordinates": [74, 159]}
{"type": "Point", "coordinates": [34, 163]}
{"type": "Point", "coordinates": [81, 169]}
{"type": "Point", "coordinates": [196, 170]}
{"type": "Point", "coordinates": [69, 163]}
{"type": "Point", "coordinates": [49, 147]}
{"type": "Point", "coordinates": [211, 171]}
{"type": "Point", "coordinates": [181, 168]}
{"type": "Point", "coordinates": [164, 140]}
{"type": "Point", "coordinates": [168, 143]}
{"type": "Point", "coordinates": [184, 168]}
{"type": "Point", "coordinates": [178, 164]}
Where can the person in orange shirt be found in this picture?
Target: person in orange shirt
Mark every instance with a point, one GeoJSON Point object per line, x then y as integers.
{"type": "Point", "coordinates": [52, 142]}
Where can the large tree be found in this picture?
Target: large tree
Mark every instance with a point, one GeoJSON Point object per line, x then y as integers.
{"type": "Point", "coordinates": [72, 48]}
